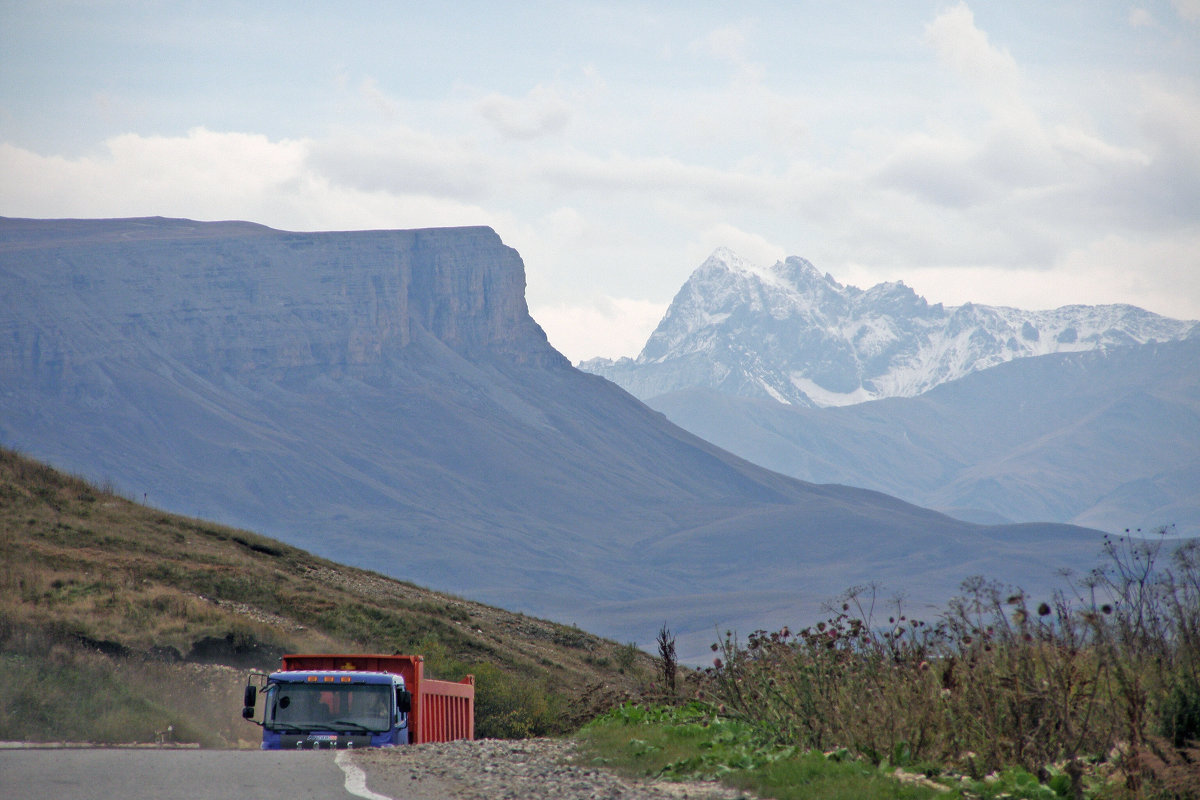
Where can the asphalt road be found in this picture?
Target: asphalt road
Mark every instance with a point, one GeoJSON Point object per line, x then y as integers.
{"type": "Point", "coordinates": [154, 774]}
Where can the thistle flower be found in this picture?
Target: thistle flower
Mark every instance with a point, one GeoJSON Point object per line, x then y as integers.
{"type": "Point", "coordinates": [1043, 609]}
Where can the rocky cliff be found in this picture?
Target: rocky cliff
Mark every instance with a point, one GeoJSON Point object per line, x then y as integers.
{"type": "Point", "coordinates": [248, 302]}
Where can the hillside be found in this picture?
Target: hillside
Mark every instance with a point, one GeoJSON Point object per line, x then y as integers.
{"type": "Point", "coordinates": [1108, 439]}
{"type": "Point", "coordinates": [160, 616]}
{"type": "Point", "coordinates": [383, 399]}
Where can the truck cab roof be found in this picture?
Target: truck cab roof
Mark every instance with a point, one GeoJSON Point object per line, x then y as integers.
{"type": "Point", "coordinates": [335, 677]}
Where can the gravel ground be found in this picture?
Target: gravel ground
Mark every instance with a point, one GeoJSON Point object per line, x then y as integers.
{"type": "Point", "coordinates": [530, 769]}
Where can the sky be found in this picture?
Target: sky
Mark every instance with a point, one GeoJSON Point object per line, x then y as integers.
{"type": "Point", "coordinates": [1029, 153]}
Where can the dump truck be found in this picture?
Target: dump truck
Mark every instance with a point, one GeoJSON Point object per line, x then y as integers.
{"type": "Point", "coordinates": [337, 701]}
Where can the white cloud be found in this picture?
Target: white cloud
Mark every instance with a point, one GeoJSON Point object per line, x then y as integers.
{"type": "Point", "coordinates": [966, 50]}
{"type": "Point", "coordinates": [936, 169]}
{"type": "Point", "coordinates": [404, 161]}
{"type": "Point", "coordinates": [1112, 269]}
{"type": "Point", "coordinates": [541, 112]}
{"type": "Point", "coordinates": [729, 44]}
{"type": "Point", "coordinates": [608, 327]}
{"type": "Point", "coordinates": [211, 175]}
{"type": "Point", "coordinates": [1141, 18]}
{"type": "Point", "coordinates": [370, 91]}
{"type": "Point", "coordinates": [1187, 9]}
{"type": "Point", "coordinates": [751, 246]}
{"type": "Point", "coordinates": [572, 171]}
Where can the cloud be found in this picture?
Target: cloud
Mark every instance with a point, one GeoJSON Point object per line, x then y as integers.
{"type": "Point", "coordinates": [377, 98]}
{"type": "Point", "coordinates": [575, 171]}
{"type": "Point", "coordinates": [753, 247]}
{"type": "Point", "coordinates": [936, 169]}
{"type": "Point", "coordinates": [540, 113]}
{"type": "Point", "coordinates": [1141, 18]}
{"type": "Point", "coordinates": [1019, 189]}
{"type": "Point", "coordinates": [1110, 269]}
{"type": "Point", "coordinates": [1187, 9]}
{"type": "Point", "coordinates": [966, 50]}
{"type": "Point", "coordinates": [212, 175]}
{"type": "Point", "coordinates": [401, 160]}
{"type": "Point", "coordinates": [728, 44]}
{"type": "Point", "coordinates": [608, 327]}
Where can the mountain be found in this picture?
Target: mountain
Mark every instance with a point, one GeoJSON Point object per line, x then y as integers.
{"type": "Point", "coordinates": [383, 399]}
{"type": "Point", "coordinates": [1109, 439]}
{"type": "Point", "coordinates": [1083, 414]}
{"type": "Point", "coordinates": [790, 334]}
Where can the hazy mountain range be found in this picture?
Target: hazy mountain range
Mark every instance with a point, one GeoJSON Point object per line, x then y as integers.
{"type": "Point", "coordinates": [384, 399]}
{"type": "Point", "coordinates": [1083, 414]}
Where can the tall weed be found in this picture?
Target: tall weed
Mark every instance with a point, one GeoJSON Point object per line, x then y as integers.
{"type": "Point", "coordinates": [1106, 670]}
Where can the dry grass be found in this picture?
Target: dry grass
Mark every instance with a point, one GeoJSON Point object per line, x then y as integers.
{"type": "Point", "coordinates": [1100, 683]}
{"type": "Point", "coordinates": [93, 584]}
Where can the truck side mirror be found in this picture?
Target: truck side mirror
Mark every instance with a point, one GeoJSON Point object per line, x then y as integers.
{"type": "Point", "coordinates": [248, 698]}
{"type": "Point", "coordinates": [403, 701]}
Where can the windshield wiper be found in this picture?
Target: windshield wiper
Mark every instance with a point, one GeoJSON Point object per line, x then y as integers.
{"type": "Point", "coordinates": [284, 726]}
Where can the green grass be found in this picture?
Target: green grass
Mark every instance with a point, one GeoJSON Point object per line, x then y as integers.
{"type": "Point", "coordinates": [694, 743]}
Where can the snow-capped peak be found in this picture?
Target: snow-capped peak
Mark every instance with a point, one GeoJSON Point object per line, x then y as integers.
{"type": "Point", "coordinates": [725, 261]}
{"type": "Point", "coordinates": [789, 333]}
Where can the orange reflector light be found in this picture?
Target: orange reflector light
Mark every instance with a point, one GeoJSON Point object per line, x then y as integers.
{"type": "Point", "coordinates": [311, 679]}
{"type": "Point", "coordinates": [346, 679]}
{"type": "Point", "coordinates": [328, 679]}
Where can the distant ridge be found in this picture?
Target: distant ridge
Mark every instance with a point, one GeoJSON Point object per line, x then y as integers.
{"type": "Point", "coordinates": [384, 399]}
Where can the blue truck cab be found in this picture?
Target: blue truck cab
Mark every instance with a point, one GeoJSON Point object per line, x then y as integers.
{"type": "Point", "coordinates": [326, 709]}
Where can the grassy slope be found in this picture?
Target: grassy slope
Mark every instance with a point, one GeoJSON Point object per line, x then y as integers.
{"type": "Point", "coordinates": [108, 608]}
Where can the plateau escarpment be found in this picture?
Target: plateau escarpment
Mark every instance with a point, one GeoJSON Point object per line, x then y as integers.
{"type": "Point", "coordinates": [243, 301]}
{"type": "Point", "coordinates": [384, 399]}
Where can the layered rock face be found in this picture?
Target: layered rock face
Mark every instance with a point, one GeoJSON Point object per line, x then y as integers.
{"type": "Point", "coordinates": [248, 302]}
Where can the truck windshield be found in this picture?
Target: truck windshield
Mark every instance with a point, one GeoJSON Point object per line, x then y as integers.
{"type": "Point", "coordinates": [307, 706]}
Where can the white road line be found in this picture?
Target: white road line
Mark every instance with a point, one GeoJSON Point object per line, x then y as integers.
{"type": "Point", "coordinates": [356, 779]}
